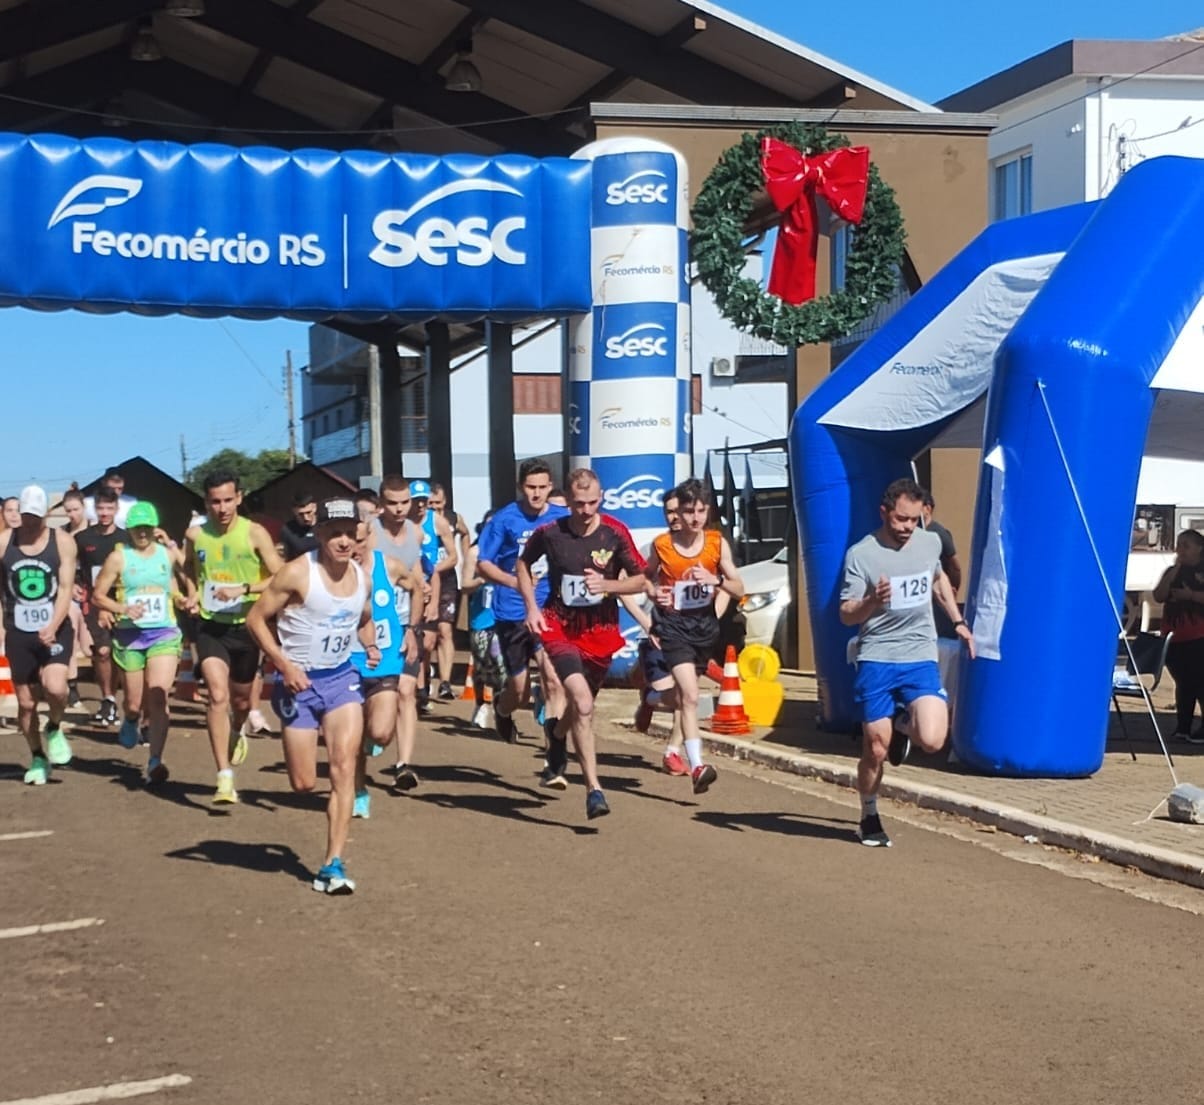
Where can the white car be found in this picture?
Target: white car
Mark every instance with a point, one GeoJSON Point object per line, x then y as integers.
{"type": "Point", "coordinates": [766, 595]}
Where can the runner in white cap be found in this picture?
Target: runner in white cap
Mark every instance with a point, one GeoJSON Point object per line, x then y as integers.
{"type": "Point", "coordinates": [306, 622]}
{"type": "Point", "coordinates": [37, 569]}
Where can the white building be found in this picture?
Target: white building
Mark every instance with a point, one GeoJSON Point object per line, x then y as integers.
{"type": "Point", "coordinates": [1072, 121]}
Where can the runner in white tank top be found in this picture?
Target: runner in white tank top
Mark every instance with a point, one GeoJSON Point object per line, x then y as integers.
{"type": "Point", "coordinates": [320, 603]}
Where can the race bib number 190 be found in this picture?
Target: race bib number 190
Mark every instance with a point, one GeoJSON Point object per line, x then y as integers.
{"type": "Point", "coordinates": [907, 592]}
{"type": "Point", "coordinates": [32, 617]}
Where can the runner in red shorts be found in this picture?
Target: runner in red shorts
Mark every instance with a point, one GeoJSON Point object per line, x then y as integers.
{"type": "Point", "coordinates": [586, 552]}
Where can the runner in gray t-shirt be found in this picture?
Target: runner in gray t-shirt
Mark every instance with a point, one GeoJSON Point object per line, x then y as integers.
{"type": "Point", "coordinates": [890, 580]}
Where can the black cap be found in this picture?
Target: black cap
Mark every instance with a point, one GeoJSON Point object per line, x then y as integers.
{"type": "Point", "coordinates": [337, 510]}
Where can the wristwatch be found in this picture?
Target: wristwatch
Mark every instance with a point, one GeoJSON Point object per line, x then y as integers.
{"type": "Point", "coordinates": [959, 622]}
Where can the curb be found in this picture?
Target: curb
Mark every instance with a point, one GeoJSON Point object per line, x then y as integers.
{"type": "Point", "coordinates": [1160, 862]}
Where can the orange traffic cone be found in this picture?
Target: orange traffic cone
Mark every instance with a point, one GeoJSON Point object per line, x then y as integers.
{"type": "Point", "coordinates": [468, 694]}
{"type": "Point", "coordinates": [8, 693]}
{"type": "Point", "coordinates": [729, 717]}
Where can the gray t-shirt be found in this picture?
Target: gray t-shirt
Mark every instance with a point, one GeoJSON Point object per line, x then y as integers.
{"type": "Point", "coordinates": [904, 632]}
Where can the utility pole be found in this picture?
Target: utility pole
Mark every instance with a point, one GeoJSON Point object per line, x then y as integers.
{"type": "Point", "coordinates": [183, 461]}
{"type": "Point", "coordinates": [288, 394]}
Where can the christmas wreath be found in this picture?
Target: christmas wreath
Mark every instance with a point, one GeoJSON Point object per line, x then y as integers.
{"type": "Point", "coordinates": [727, 202]}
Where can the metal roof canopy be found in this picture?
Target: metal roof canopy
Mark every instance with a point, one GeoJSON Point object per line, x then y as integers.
{"type": "Point", "coordinates": [343, 74]}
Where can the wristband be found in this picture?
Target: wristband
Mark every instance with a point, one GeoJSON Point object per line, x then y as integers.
{"type": "Point", "coordinates": [959, 624]}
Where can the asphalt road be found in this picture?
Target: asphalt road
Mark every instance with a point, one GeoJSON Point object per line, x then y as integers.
{"type": "Point", "coordinates": [738, 948]}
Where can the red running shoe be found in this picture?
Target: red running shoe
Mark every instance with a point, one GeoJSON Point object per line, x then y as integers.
{"type": "Point", "coordinates": [673, 764]}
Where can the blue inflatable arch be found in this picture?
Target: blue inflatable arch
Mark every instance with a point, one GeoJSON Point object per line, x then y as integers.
{"type": "Point", "coordinates": [1064, 328]}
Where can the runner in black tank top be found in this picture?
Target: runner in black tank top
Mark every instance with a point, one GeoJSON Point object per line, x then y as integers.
{"type": "Point", "coordinates": [37, 569]}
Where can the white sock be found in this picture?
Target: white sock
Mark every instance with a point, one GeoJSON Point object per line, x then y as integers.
{"type": "Point", "coordinates": [694, 753]}
{"type": "Point", "coordinates": [869, 805]}
{"type": "Point", "coordinates": [227, 771]}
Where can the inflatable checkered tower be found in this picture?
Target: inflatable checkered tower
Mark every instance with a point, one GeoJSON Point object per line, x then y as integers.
{"type": "Point", "coordinates": [629, 361]}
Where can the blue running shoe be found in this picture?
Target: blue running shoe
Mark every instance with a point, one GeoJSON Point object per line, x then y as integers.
{"type": "Point", "coordinates": [363, 805]}
{"type": "Point", "coordinates": [595, 805]}
{"type": "Point", "coordinates": [537, 704]}
{"type": "Point", "coordinates": [128, 735]}
{"type": "Point", "coordinates": [332, 879]}
{"type": "Point", "coordinates": [375, 749]}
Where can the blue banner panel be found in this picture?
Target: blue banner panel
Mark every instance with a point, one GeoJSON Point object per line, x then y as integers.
{"type": "Point", "coordinates": [637, 187]}
{"type": "Point", "coordinates": [634, 340]}
{"type": "Point", "coordinates": [634, 488]}
{"type": "Point", "coordinates": [208, 229]}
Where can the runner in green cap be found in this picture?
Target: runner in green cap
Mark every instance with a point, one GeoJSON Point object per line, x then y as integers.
{"type": "Point", "coordinates": [146, 638]}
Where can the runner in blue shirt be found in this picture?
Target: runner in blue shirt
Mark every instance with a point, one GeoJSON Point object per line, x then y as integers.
{"type": "Point", "coordinates": [502, 542]}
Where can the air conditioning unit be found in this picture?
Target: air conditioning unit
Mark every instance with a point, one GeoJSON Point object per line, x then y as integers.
{"type": "Point", "coordinates": [723, 366]}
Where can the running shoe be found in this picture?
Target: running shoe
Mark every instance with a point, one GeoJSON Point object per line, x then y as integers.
{"type": "Point", "coordinates": [58, 748]}
{"type": "Point", "coordinates": [900, 747]}
{"type": "Point", "coordinates": [156, 772]}
{"type": "Point", "coordinates": [480, 716]}
{"type": "Point", "coordinates": [238, 749]}
{"type": "Point", "coordinates": [144, 734]}
{"type": "Point", "coordinates": [1196, 737]}
{"type": "Point", "coordinates": [256, 724]}
{"type": "Point", "coordinates": [225, 793]}
{"type": "Point", "coordinates": [595, 805]}
{"type": "Point", "coordinates": [553, 778]}
{"type": "Point", "coordinates": [506, 729]}
{"type": "Point", "coordinates": [127, 735]}
{"type": "Point", "coordinates": [107, 714]}
{"type": "Point", "coordinates": [643, 714]}
{"type": "Point", "coordinates": [407, 779]}
{"type": "Point", "coordinates": [673, 764]}
{"type": "Point", "coordinates": [332, 879]}
{"type": "Point", "coordinates": [73, 698]}
{"type": "Point", "coordinates": [445, 691]}
{"type": "Point", "coordinates": [871, 833]}
{"type": "Point", "coordinates": [702, 777]}
{"type": "Point", "coordinates": [426, 707]}
{"type": "Point", "coordinates": [363, 805]}
{"type": "Point", "coordinates": [38, 774]}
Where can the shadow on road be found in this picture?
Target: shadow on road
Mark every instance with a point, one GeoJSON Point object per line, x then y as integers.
{"type": "Point", "coordinates": [791, 824]}
{"type": "Point", "coordinates": [267, 858]}
{"type": "Point", "coordinates": [501, 805]}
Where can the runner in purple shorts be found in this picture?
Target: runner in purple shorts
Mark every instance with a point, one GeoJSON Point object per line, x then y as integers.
{"type": "Point", "coordinates": [306, 622]}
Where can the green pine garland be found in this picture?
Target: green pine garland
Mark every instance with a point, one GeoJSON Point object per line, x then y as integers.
{"type": "Point", "coordinates": [716, 246]}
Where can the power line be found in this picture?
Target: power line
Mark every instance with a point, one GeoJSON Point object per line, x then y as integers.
{"type": "Point", "coordinates": [251, 360]}
{"type": "Point", "coordinates": [1087, 95]}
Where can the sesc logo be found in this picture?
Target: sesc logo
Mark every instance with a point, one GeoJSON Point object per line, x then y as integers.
{"type": "Point", "coordinates": [641, 187]}
{"type": "Point", "coordinates": [472, 240]}
{"type": "Point", "coordinates": [638, 493]}
{"type": "Point", "coordinates": [93, 194]}
{"type": "Point", "coordinates": [648, 339]}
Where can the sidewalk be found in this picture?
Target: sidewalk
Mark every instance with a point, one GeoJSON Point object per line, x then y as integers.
{"type": "Point", "coordinates": [1119, 814]}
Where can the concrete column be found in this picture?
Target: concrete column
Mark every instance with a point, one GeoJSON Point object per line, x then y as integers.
{"type": "Point", "coordinates": [390, 404]}
{"type": "Point", "coordinates": [499, 341]}
{"type": "Point", "coordinates": [438, 403]}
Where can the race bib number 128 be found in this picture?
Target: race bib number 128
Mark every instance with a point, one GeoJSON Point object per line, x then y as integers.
{"type": "Point", "coordinates": [907, 592]}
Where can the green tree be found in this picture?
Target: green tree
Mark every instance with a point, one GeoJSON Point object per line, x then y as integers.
{"type": "Point", "coordinates": [252, 471]}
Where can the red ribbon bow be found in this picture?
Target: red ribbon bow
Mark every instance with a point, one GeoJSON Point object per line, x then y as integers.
{"type": "Point", "coordinates": [841, 176]}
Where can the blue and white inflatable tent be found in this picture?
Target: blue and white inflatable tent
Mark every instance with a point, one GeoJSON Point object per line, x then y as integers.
{"type": "Point", "coordinates": [1066, 344]}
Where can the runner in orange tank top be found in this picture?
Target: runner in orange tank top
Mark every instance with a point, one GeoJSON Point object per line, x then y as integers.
{"type": "Point", "coordinates": [686, 569]}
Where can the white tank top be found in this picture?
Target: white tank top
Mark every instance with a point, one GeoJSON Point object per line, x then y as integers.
{"type": "Point", "coordinates": [318, 634]}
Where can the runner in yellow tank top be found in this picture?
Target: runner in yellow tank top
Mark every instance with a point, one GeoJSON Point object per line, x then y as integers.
{"type": "Point", "coordinates": [230, 559]}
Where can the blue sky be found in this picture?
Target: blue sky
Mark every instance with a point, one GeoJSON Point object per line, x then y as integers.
{"type": "Point", "coordinates": [85, 391]}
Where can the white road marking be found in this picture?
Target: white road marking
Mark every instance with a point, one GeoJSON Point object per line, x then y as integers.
{"type": "Point", "coordinates": [26, 836]}
{"type": "Point", "coordinates": [115, 1091]}
{"type": "Point", "coordinates": [53, 926]}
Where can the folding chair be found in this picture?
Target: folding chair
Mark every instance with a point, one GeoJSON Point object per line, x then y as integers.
{"type": "Point", "coordinates": [1148, 660]}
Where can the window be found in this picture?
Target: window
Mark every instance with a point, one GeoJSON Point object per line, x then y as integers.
{"type": "Point", "coordinates": [338, 418]}
{"type": "Point", "coordinates": [1014, 187]}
